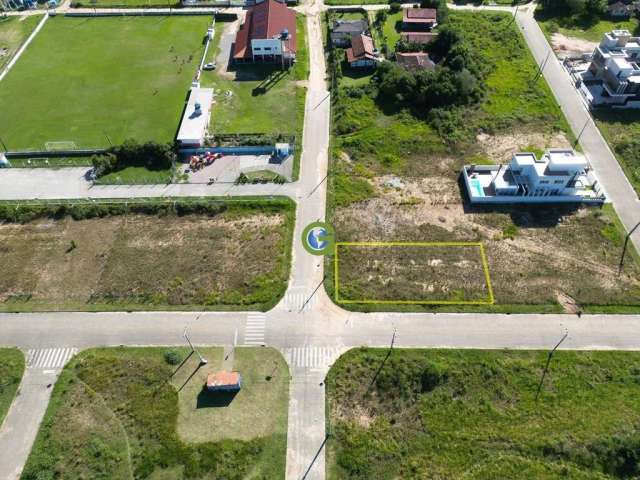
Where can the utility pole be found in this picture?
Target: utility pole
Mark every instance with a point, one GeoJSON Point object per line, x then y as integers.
{"type": "Point", "coordinates": [580, 134]}
{"type": "Point", "coordinates": [546, 367]}
{"type": "Point", "coordinates": [203, 361]}
{"type": "Point", "coordinates": [624, 247]}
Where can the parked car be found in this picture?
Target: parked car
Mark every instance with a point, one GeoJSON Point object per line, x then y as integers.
{"type": "Point", "coordinates": [210, 66]}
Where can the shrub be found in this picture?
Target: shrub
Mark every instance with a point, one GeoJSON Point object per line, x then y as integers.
{"type": "Point", "coordinates": [172, 357]}
{"type": "Point", "coordinates": [395, 7]}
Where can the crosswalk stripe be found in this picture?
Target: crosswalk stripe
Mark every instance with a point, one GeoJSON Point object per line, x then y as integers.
{"type": "Point", "coordinates": [49, 358]}
{"type": "Point", "coordinates": [310, 356]}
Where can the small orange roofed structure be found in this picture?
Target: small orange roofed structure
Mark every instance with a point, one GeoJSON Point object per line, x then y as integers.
{"type": "Point", "coordinates": [224, 381]}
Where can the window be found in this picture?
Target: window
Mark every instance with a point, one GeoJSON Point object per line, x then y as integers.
{"type": "Point", "coordinates": [559, 182]}
{"type": "Point", "coordinates": [257, 48]}
{"type": "Point", "coordinates": [544, 182]}
{"type": "Point", "coordinates": [267, 48]}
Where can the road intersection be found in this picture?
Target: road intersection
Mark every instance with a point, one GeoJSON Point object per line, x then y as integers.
{"type": "Point", "coordinates": [310, 334]}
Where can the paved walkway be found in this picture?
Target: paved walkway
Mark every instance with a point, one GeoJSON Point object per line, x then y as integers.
{"type": "Point", "coordinates": [311, 334]}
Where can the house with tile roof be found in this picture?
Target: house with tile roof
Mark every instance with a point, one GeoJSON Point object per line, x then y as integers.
{"type": "Point", "coordinates": [362, 53]}
{"type": "Point", "coordinates": [415, 60]}
{"type": "Point", "coordinates": [416, 19]}
{"type": "Point", "coordinates": [268, 34]}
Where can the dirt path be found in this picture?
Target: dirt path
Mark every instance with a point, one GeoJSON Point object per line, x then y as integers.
{"type": "Point", "coordinates": [224, 48]}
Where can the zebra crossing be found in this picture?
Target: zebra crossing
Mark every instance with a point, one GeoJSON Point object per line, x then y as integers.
{"type": "Point", "coordinates": [311, 357]}
{"type": "Point", "coordinates": [297, 299]}
{"type": "Point", "coordinates": [49, 358]}
{"type": "Point", "coordinates": [254, 329]}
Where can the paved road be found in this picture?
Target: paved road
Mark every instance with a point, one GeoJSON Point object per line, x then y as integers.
{"type": "Point", "coordinates": [310, 334]}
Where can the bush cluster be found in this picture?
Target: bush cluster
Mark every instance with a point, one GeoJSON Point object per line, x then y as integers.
{"type": "Point", "coordinates": [151, 155]}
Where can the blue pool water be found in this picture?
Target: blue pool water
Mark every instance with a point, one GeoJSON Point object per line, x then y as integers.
{"type": "Point", "coordinates": [476, 187]}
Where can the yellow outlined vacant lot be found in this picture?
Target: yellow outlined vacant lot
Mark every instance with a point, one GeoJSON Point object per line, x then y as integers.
{"type": "Point", "coordinates": [485, 268]}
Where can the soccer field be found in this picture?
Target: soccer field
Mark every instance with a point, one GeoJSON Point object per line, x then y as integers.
{"type": "Point", "coordinates": [85, 79]}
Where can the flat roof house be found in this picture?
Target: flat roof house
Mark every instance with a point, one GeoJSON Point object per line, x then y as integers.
{"type": "Point", "coordinates": [416, 19]}
{"type": "Point", "coordinates": [268, 34]}
{"type": "Point", "coordinates": [195, 120]}
{"type": "Point", "coordinates": [343, 30]}
{"type": "Point", "coordinates": [559, 176]}
{"type": "Point", "coordinates": [362, 53]}
{"type": "Point", "coordinates": [613, 76]}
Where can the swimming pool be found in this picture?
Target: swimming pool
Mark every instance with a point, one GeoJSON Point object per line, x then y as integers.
{"type": "Point", "coordinates": [476, 187]}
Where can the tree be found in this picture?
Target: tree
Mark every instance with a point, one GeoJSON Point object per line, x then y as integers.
{"type": "Point", "coordinates": [381, 17]}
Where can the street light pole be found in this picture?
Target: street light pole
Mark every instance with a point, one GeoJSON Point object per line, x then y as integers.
{"type": "Point", "coordinates": [624, 247]}
{"type": "Point", "coordinates": [203, 361]}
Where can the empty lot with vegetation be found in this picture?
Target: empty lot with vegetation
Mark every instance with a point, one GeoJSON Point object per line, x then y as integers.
{"type": "Point", "coordinates": [121, 413]}
{"type": "Point", "coordinates": [115, 78]}
{"type": "Point", "coordinates": [11, 370]}
{"type": "Point", "coordinates": [411, 273]}
{"type": "Point", "coordinates": [473, 414]}
{"type": "Point", "coordinates": [394, 177]}
{"type": "Point", "coordinates": [146, 256]}
{"type": "Point", "coordinates": [13, 32]}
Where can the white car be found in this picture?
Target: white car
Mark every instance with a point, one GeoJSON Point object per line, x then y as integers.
{"type": "Point", "coordinates": [210, 66]}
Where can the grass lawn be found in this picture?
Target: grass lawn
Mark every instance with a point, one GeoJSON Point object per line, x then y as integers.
{"type": "Point", "coordinates": [621, 129]}
{"type": "Point", "coordinates": [261, 98]}
{"type": "Point", "coordinates": [549, 260]}
{"type": "Point", "coordinates": [147, 256]}
{"type": "Point", "coordinates": [136, 176]}
{"type": "Point", "coordinates": [52, 162]}
{"type": "Point", "coordinates": [391, 30]}
{"type": "Point", "coordinates": [13, 32]}
{"type": "Point", "coordinates": [11, 370]}
{"type": "Point", "coordinates": [124, 77]}
{"type": "Point", "coordinates": [473, 414]}
{"type": "Point", "coordinates": [587, 28]}
{"type": "Point", "coordinates": [115, 414]}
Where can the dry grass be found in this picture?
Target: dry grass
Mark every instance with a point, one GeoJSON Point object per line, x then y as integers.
{"type": "Point", "coordinates": [145, 259]}
{"type": "Point", "coordinates": [533, 254]}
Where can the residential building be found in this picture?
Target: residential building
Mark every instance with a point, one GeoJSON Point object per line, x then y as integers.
{"type": "Point", "coordinates": [417, 19]}
{"type": "Point", "coordinates": [268, 34]}
{"type": "Point", "coordinates": [362, 53]}
{"type": "Point", "coordinates": [343, 30]}
{"type": "Point", "coordinates": [418, 38]}
{"type": "Point", "coordinates": [195, 119]}
{"type": "Point", "coordinates": [415, 60]}
{"type": "Point", "coordinates": [560, 176]}
{"type": "Point", "coordinates": [622, 10]}
{"type": "Point", "coordinates": [613, 76]}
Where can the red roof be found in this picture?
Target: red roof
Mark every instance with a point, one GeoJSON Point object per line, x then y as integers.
{"type": "Point", "coordinates": [418, 37]}
{"type": "Point", "coordinates": [223, 378]}
{"type": "Point", "coordinates": [361, 48]}
{"type": "Point", "coordinates": [265, 20]}
{"type": "Point", "coordinates": [419, 15]}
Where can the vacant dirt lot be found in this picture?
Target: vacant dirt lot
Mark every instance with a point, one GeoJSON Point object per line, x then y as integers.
{"type": "Point", "coordinates": [145, 259]}
{"type": "Point", "coordinates": [412, 273]}
{"type": "Point", "coordinates": [536, 256]}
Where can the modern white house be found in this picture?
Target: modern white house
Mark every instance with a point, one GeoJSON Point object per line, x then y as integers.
{"type": "Point", "coordinates": [559, 176]}
{"type": "Point", "coordinates": [613, 76]}
{"type": "Point", "coordinates": [195, 119]}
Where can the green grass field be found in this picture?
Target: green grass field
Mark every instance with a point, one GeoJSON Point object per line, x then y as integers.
{"type": "Point", "coordinates": [13, 32]}
{"type": "Point", "coordinates": [136, 176]}
{"type": "Point", "coordinates": [11, 370]}
{"type": "Point", "coordinates": [117, 413]}
{"type": "Point", "coordinates": [115, 78]}
{"type": "Point", "coordinates": [587, 28]}
{"type": "Point", "coordinates": [472, 414]}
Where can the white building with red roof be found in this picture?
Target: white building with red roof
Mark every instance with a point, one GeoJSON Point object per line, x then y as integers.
{"type": "Point", "coordinates": [268, 34]}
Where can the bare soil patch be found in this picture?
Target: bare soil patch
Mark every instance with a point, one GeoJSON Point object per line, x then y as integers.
{"type": "Point", "coordinates": [571, 46]}
{"type": "Point", "coordinates": [532, 252]}
{"type": "Point", "coordinates": [500, 148]}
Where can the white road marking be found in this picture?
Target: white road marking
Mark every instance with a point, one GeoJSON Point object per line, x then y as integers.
{"type": "Point", "coordinates": [49, 358]}
{"type": "Point", "coordinates": [254, 329]}
{"type": "Point", "coordinates": [310, 356]}
{"type": "Point", "coordinates": [296, 297]}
